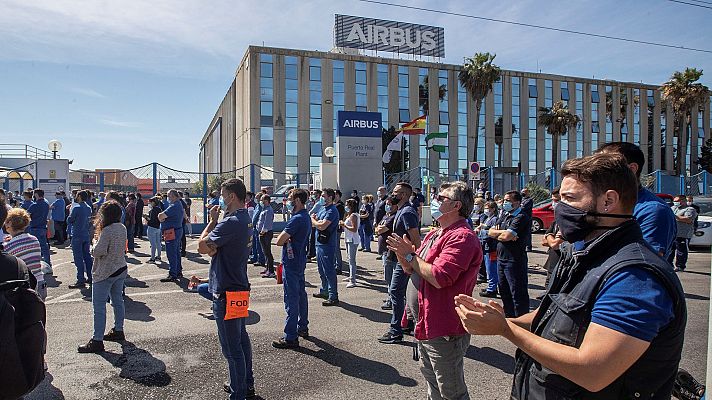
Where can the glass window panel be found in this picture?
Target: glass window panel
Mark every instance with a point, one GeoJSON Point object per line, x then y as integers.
{"type": "Point", "coordinates": [314, 62]}
{"type": "Point", "coordinates": [444, 118]}
{"type": "Point", "coordinates": [266, 133]}
{"type": "Point", "coordinates": [290, 71]}
{"type": "Point", "coordinates": [339, 98]}
{"type": "Point", "coordinates": [532, 91]}
{"type": "Point", "coordinates": [292, 148]}
{"type": "Point", "coordinates": [565, 94]}
{"type": "Point", "coordinates": [315, 135]}
{"type": "Point", "coordinates": [360, 77]}
{"type": "Point", "coordinates": [404, 115]}
{"type": "Point", "coordinates": [315, 123]}
{"type": "Point", "coordinates": [291, 109]}
{"type": "Point", "coordinates": [338, 75]}
{"type": "Point", "coordinates": [291, 96]}
{"type": "Point", "coordinates": [403, 80]}
{"type": "Point", "coordinates": [291, 84]}
{"type": "Point", "coordinates": [267, 82]}
{"type": "Point", "coordinates": [266, 58]}
{"type": "Point", "coordinates": [267, 147]}
{"type": "Point", "coordinates": [595, 98]}
{"type": "Point", "coordinates": [266, 120]}
{"type": "Point", "coordinates": [314, 73]}
{"type": "Point", "coordinates": [595, 128]}
{"type": "Point", "coordinates": [315, 97]}
{"type": "Point", "coordinates": [266, 94]}
{"type": "Point", "coordinates": [361, 108]}
{"type": "Point", "coordinates": [315, 149]}
{"type": "Point", "coordinates": [383, 78]}
{"type": "Point", "coordinates": [266, 108]}
{"type": "Point", "coordinates": [266, 70]}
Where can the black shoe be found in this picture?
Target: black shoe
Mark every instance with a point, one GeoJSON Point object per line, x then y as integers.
{"type": "Point", "coordinates": [179, 276]}
{"type": "Point", "coordinates": [304, 334]}
{"type": "Point", "coordinates": [390, 338]}
{"type": "Point", "coordinates": [487, 293]}
{"type": "Point", "coordinates": [169, 279]}
{"type": "Point", "coordinates": [339, 272]}
{"type": "Point", "coordinates": [249, 393]}
{"type": "Point", "coordinates": [283, 343]}
{"type": "Point", "coordinates": [226, 387]}
{"type": "Point", "coordinates": [78, 285]}
{"type": "Point", "coordinates": [321, 296]}
{"type": "Point", "coordinates": [94, 346]}
{"type": "Point", "coordinates": [686, 387]}
{"type": "Point", "coordinates": [330, 303]}
{"type": "Point", "coordinates": [387, 306]}
{"type": "Point", "coordinates": [114, 336]}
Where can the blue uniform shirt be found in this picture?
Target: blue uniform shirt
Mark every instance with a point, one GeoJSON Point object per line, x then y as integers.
{"type": "Point", "coordinates": [174, 214]}
{"type": "Point", "coordinates": [228, 267]}
{"type": "Point", "coordinates": [656, 220]}
{"type": "Point", "coordinates": [38, 210]}
{"type": "Point", "coordinates": [26, 204]}
{"type": "Point", "coordinates": [58, 210]}
{"type": "Point", "coordinates": [79, 219]}
{"type": "Point", "coordinates": [265, 221]}
{"type": "Point", "coordinates": [332, 214]}
{"type": "Point", "coordinates": [298, 227]}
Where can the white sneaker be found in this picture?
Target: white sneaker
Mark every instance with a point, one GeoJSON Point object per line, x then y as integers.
{"type": "Point", "coordinates": [350, 285]}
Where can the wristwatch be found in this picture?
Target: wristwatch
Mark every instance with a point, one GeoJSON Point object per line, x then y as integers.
{"type": "Point", "coordinates": [409, 257]}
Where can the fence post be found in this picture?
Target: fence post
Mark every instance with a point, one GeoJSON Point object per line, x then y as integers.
{"type": "Point", "coordinates": [552, 181]}
{"type": "Point", "coordinates": [658, 181]}
{"type": "Point", "coordinates": [101, 181]}
{"type": "Point", "coordinates": [155, 178]}
{"type": "Point", "coordinates": [490, 177]}
{"type": "Point", "coordinates": [682, 184]}
{"type": "Point", "coordinates": [205, 197]}
{"type": "Point", "coordinates": [252, 178]}
{"type": "Point", "coordinates": [704, 183]}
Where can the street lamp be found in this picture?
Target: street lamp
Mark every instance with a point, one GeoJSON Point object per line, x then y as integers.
{"type": "Point", "coordinates": [54, 146]}
{"type": "Point", "coordinates": [329, 152]}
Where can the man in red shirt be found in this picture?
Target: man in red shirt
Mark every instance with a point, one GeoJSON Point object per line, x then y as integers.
{"type": "Point", "coordinates": [445, 265]}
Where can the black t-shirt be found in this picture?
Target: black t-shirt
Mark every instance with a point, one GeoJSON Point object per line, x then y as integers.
{"type": "Point", "coordinates": [342, 211]}
{"type": "Point", "coordinates": [386, 221]}
{"type": "Point", "coordinates": [380, 209]}
{"type": "Point", "coordinates": [9, 269]}
{"type": "Point", "coordinates": [406, 218]}
{"type": "Point", "coordinates": [515, 250]}
{"type": "Point", "coordinates": [527, 205]}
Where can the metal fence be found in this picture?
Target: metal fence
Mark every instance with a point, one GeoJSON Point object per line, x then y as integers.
{"type": "Point", "coordinates": [694, 185]}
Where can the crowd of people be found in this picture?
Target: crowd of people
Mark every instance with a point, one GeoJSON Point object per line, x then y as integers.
{"type": "Point", "coordinates": [611, 290]}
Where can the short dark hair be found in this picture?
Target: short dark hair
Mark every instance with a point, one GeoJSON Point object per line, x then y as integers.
{"type": "Point", "coordinates": [555, 191]}
{"type": "Point", "coordinates": [330, 193]}
{"type": "Point", "coordinates": [38, 192]}
{"type": "Point", "coordinates": [265, 197]}
{"type": "Point", "coordinates": [407, 186]}
{"type": "Point", "coordinates": [605, 171]}
{"type": "Point", "coordinates": [300, 194]}
{"type": "Point", "coordinates": [629, 151]}
{"type": "Point", "coordinates": [235, 186]}
{"type": "Point", "coordinates": [337, 191]}
{"type": "Point", "coordinates": [317, 191]}
{"type": "Point", "coordinates": [515, 195]}
{"type": "Point", "coordinates": [83, 195]}
{"type": "Point", "coordinates": [131, 196]}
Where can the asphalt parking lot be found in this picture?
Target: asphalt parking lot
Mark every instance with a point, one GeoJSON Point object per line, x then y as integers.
{"type": "Point", "coordinates": [172, 348]}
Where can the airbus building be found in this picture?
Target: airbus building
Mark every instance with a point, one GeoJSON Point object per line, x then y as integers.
{"type": "Point", "coordinates": [282, 110]}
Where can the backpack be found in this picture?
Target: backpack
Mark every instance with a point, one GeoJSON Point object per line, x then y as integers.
{"type": "Point", "coordinates": [22, 332]}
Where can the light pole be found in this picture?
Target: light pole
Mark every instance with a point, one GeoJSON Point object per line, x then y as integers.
{"type": "Point", "coordinates": [54, 146]}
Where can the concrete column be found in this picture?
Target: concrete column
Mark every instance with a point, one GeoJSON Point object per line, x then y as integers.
{"type": "Point", "coordinates": [540, 130]}
{"type": "Point", "coordinates": [669, 134]}
{"type": "Point", "coordinates": [694, 149]}
{"type": "Point", "coordinates": [506, 121]}
{"type": "Point", "coordinates": [413, 141]}
{"type": "Point", "coordinates": [630, 115]}
{"type": "Point", "coordinates": [327, 106]}
{"type": "Point", "coordinates": [453, 129]}
{"type": "Point", "coordinates": [489, 130]}
{"type": "Point", "coordinates": [643, 122]}
{"type": "Point", "coordinates": [524, 124]}
{"type": "Point", "coordinates": [372, 86]}
{"type": "Point", "coordinates": [253, 150]}
{"type": "Point", "coordinates": [349, 86]}
{"type": "Point", "coordinates": [616, 113]}
{"type": "Point", "coordinates": [657, 134]}
{"type": "Point", "coordinates": [586, 119]}
{"type": "Point", "coordinates": [303, 148]}
{"type": "Point", "coordinates": [279, 111]}
{"type": "Point", "coordinates": [393, 117]}
{"type": "Point", "coordinates": [434, 116]}
{"type": "Point", "coordinates": [471, 134]}
{"type": "Point", "coordinates": [601, 115]}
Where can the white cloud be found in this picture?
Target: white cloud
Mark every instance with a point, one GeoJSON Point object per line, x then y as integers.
{"type": "Point", "coordinates": [121, 124]}
{"type": "Point", "coordinates": [87, 92]}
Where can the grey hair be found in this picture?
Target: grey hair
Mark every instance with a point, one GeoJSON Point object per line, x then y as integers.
{"type": "Point", "coordinates": [462, 193]}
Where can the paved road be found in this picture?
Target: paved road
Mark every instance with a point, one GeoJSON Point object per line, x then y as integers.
{"type": "Point", "coordinates": [172, 349]}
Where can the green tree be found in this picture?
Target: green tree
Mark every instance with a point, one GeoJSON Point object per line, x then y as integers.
{"type": "Point", "coordinates": [705, 159]}
{"type": "Point", "coordinates": [424, 95]}
{"type": "Point", "coordinates": [499, 137]}
{"type": "Point", "coordinates": [558, 121]}
{"type": "Point", "coordinates": [399, 159]}
{"type": "Point", "coordinates": [684, 94]}
{"type": "Point", "coordinates": [478, 75]}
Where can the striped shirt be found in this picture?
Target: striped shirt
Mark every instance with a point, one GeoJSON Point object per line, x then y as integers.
{"type": "Point", "coordinates": [27, 248]}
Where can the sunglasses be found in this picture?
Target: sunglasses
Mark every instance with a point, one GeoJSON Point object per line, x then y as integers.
{"type": "Point", "coordinates": [441, 198]}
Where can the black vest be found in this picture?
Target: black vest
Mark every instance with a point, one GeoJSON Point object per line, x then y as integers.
{"type": "Point", "coordinates": [565, 313]}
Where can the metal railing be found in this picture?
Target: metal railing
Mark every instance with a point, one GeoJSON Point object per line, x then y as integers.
{"type": "Point", "coordinates": [10, 150]}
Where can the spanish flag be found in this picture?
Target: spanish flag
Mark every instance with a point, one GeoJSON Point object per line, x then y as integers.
{"type": "Point", "coordinates": [414, 127]}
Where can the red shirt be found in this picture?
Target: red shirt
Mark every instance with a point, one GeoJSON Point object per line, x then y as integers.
{"type": "Point", "coordinates": [455, 257]}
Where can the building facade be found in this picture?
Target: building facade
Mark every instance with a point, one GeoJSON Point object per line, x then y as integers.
{"type": "Point", "coordinates": [280, 113]}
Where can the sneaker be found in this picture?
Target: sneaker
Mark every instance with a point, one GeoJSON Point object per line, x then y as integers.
{"type": "Point", "coordinates": [283, 343]}
{"type": "Point", "coordinates": [303, 334]}
{"type": "Point", "coordinates": [330, 303]}
{"type": "Point", "coordinates": [350, 285]}
{"type": "Point", "coordinates": [270, 275]}
{"type": "Point", "coordinates": [169, 278]}
{"type": "Point", "coordinates": [321, 296]}
{"type": "Point", "coordinates": [151, 260]}
{"type": "Point", "coordinates": [264, 271]}
{"type": "Point", "coordinates": [78, 285]}
{"type": "Point", "coordinates": [114, 336]}
{"type": "Point", "coordinates": [487, 293]}
{"type": "Point", "coordinates": [93, 346]}
{"type": "Point", "coordinates": [686, 387]}
{"type": "Point", "coordinates": [389, 338]}
{"type": "Point", "coordinates": [158, 260]}
{"type": "Point", "coordinates": [249, 393]}
{"type": "Point", "coordinates": [387, 306]}
{"type": "Point", "coordinates": [379, 258]}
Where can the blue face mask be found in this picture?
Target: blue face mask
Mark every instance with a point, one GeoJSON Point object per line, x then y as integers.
{"type": "Point", "coordinates": [321, 201]}
{"type": "Point", "coordinates": [290, 206]}
{"type": "Point", "coordinates": [389, 208]}
{"type": "Point", "coordinates": [507, 206]}
{"type": "Point", "coordinates": [435, 210]}
{"type": "Point", "coordinates": [223, 206]}
{"type": "Point", "coordinates": [348, 209]}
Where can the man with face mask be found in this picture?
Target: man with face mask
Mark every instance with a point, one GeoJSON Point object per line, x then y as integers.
{"type": "Point", "coordinates": [613, 321]}
{"type": "Point", "coordinates": [685, 217]}
{"type": "Point", "coordinates": [512, 234]}
{"type": "Point", "coordinates": [326, 223]}
{"type": "Point", "coordinates": [172, 228]}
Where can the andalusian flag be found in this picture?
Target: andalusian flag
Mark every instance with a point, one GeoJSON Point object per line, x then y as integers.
{"type": "Point", "coordinates": [436, 141]}
{"type": "Point", "coordinates": [414, 127]}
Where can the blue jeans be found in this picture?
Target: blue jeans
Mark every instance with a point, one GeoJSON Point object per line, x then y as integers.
{"type": "Point", "coordinates": [236, 347]}
{"type": "Point", "coordinates": [351, 249]}
{"type": "Point", "coordinates": [492, 274]}
{"type": "Point", "coordinates": [399, 283]}
{"type": "Point", "coordinates": [110, 288]}
{"type": "Point", "coordinates": [154, 237]}
{"type": "Point", "coordinates": [257, 254]}
{"type": "Point", "coordinates": [327, 272]}
{"type": "Point", "coordinates": [295, 301]}
{"type": "Point", "coordinates": [82, 258]}
{"type": "Point", "coordinates": [388, 267]}
{"type": "Point", "coordinates": [41, 235]}
{"type": "Point", "coordinates": [173, 254]}
{"type": "Point", "coordinates": [339, 260]}
{"type": "Point", "coordinates": [365, 236]}
{"type": "Point", "coordinates": [203, 291]}
{"type": "Point", "coordinates": [513, 288]}
{"type": "Point", "coordinates": [130, 228]}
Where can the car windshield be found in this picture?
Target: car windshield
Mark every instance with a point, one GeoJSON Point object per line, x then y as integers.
{"type": "Point", "coordinates": [542, 203]}
{"type": "Point", "coordinates": [283, 189]}
{"type": "Point", "coordinates": [705, 207]}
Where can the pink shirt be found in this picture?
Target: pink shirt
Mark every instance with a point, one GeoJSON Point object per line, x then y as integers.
{"type": "Point", "coordinates": [455, 257]}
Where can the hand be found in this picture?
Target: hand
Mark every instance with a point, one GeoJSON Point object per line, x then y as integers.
{"type": "Point", "coordinates": [400, 245]}
{"type": "Point", "coordinates": [481, 318]}
{"type": "Point", "coordinates": [214, 213]}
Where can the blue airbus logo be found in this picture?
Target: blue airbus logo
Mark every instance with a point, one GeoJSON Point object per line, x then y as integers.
{"type": "Point", "coordinates": [359, 124]}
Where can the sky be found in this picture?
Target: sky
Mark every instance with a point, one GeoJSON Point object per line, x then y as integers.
{"type": "Point", "coordinates": [122, 83]}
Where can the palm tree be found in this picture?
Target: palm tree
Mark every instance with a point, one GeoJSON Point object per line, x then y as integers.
{"type": "Point", "coordinates": [477, 76]}
{"type": "Point", "coordinates": [499, 137]}
{"type": "Point", "coordinates": [557, 120]}
{"type": "Point", "coordinates": [423, 95]}
{"type": "Point", "coordinates": [683, 93]}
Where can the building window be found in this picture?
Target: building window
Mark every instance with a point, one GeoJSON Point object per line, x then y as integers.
{"type": "Point", "coordinates": [266, 113]}
{"type": "Point", "coordinates": [292, 112]}
{"type": "Point", "coordinates": [315, 149]}
{"type": "Point", "coordinates": [609, 114]}
{"type": "Point", "coordinates": [579, 112]}
{"type": "Point", "coordinates": [516, 113]}
{"type": "Point", "coordinates": [267, 147]}
{"type": "Point", "coordinates": [266, 70]}
{"type": "Point", "coordinates": [404, 115]}
{"type": "Point", "coordinates": [595, 98]}
{"type": "Point", "coordinates": [361, 87]}
{"type": "Point", "coordinates": [462, 154]}
{"type": "Point", "coordinates": [595, 128]}
{"type": "Point", "coordinates": [564, 92]}
{"type": "Point", "coordinates": [533, 91]}
{"type": "Point", "coordinates": [382, 80]}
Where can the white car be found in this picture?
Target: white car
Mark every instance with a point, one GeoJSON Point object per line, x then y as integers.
{"type": "Point", "coordinates": [703, 234]}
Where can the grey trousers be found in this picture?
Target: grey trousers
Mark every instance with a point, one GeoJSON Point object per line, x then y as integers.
{"type": "Point", "coordinates": [441, 363]}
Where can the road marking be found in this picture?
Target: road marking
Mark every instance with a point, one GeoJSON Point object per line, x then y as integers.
{"type": "Point", "coordinates": [64, 296]}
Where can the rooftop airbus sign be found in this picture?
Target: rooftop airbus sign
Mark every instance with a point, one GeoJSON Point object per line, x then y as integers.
{"type": "Point", "coordinates": [392, 36]}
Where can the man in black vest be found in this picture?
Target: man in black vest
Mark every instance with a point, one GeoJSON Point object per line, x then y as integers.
{"type": "Point", "coordinates": [613, 321]}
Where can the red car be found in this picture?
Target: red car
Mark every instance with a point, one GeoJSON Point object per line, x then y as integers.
{"type": "Point", "coordinates": [542, 216]}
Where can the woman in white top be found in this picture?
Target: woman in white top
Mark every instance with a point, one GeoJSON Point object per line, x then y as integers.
{"type": "Point", "coordinates": [351, 237]}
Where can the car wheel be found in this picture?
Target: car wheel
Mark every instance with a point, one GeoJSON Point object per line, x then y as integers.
{"type": "Point", "coordinates": [536, 225]}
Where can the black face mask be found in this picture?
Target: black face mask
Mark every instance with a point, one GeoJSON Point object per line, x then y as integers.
{"type": "Point", "coordinates": [395, 199]}
{"type": "Point", "coordinates": [573, 224]}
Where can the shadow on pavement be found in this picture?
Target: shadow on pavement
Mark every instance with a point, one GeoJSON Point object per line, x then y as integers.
{"type": "Point", "coordinates": [46, 390]}
{"type": "Point", "coordinates": [695, 297]}
{"type": "Point", "coordinates": [491, 357]}
{"type": "Point", "coordinates": [134, 283]}
{"type": "Point", "coordinates": [355, 366]}
{"type": "Point", "coordinates": [368, 313]}
{"type": "Point", "coordinates": [138, 365]}
{"type": "Point", "coordinates": [137, 310]}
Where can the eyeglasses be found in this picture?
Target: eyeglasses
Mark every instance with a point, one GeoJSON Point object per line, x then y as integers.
{"type": "Point", "coordinates": [441, 198]}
